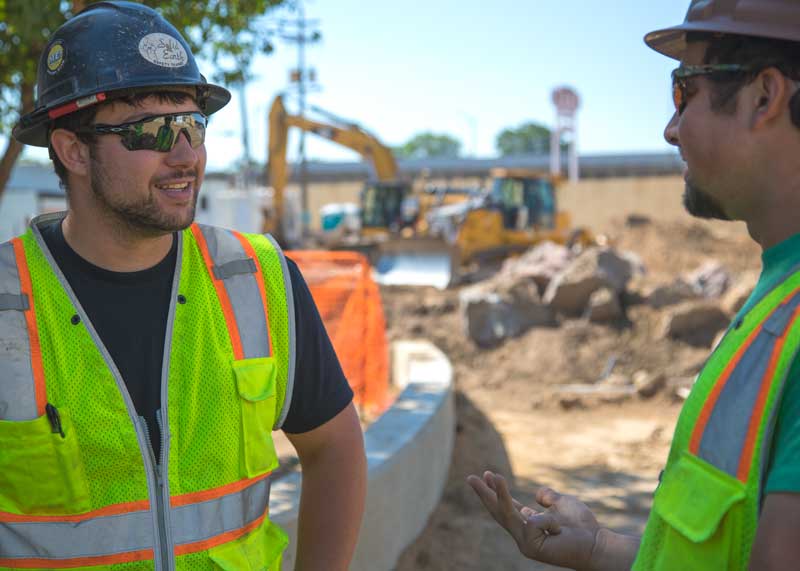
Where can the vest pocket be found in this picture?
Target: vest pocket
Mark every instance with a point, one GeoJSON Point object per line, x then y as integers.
{"type": "Point", "coordinates": [255, 382]}
{"type": "Point", "coordinates": [703, 508]}
{"type": "Point", "coordinates": [259, 550]}
{"type": "Point", "coordinates": [41, 472]}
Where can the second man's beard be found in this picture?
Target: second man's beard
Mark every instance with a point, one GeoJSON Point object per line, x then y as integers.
{"type": "Point", "coordinates": [701, 204]}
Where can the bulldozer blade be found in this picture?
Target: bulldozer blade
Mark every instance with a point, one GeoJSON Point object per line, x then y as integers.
{"type": "Point", "coordinates": [415, 263]}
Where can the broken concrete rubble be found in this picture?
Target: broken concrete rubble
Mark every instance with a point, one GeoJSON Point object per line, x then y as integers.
{"type": "Point", "coordinates": [494, 310]}
{"type": "Point", "coordinates": [709, 280]}
{"type": "Point", "coordinates": [604, 306]}
{"type": "Point", "coordinates": [669, 294]}
{"type": "Point", "coordinates": [540, 263]}
{"type": "Point", "coordinates": [695, 322]}
{"type": "Point", "coordinates": [596, 268]}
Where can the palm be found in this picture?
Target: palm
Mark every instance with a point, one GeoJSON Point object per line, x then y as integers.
{"type": "Point", "coordinates": [562, 534]}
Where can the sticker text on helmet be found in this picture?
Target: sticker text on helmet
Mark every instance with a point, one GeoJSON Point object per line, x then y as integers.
{"type": "Point", "coordinates": [55, 57]}
{"type": "Point", "coordinates": [162, 49]}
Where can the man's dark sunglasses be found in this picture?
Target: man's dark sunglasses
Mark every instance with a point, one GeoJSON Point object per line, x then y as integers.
{"type": "Point", "coordinates": [157, 132]}
{"type": "Point", "coordinates": [680, 94]}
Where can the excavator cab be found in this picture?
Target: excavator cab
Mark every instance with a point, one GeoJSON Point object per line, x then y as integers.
{"type": "Point", "coordinates": [387, 206]}
{"type": "Point", "coordinates": [525, 202]}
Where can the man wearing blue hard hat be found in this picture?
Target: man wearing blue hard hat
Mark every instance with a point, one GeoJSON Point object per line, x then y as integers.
{"type": "Point", "coordinates": [145, 359]}
{"type": "Point", "coordinates": [729, 496]}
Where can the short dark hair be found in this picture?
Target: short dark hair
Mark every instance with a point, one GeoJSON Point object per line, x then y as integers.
{"type": "Point", "coordinates": [78, 122]}
{"type": "Point", "coordinates": [756, 53]}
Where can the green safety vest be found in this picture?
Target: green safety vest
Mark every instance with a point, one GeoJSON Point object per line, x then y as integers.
{"type": "Point", "coordinates": [706, 507]}
{"type": "Point", "coordinates": [80, 487]}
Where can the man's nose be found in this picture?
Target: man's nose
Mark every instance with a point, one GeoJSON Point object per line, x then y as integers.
{"type": "Point", "coordinates": [182, 153]}
{"type": "Point", "coordinates": [671, 130]}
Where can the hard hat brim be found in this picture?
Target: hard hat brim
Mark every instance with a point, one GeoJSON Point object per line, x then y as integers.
{"type": "Point", "coordinates": [671, 42]}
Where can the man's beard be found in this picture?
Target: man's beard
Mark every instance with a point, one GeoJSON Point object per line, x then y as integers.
{"type": "Point", "coordinates": [141, 215]}
{"type": "Point", "coordinates": [701, 204]}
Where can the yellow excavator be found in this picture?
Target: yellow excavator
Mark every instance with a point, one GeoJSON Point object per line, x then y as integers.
{"type": "Point", "coordinates": [390, 215]}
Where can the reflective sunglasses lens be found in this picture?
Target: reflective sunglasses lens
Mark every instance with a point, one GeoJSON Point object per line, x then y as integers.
{"type": "Point", "coordinates": [161, 133]}
{"type": "Point", "coordinates": [679, 95]}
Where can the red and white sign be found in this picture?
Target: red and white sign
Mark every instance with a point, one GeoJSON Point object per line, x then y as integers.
{"type": "Point", "coordinates": [566, 100]}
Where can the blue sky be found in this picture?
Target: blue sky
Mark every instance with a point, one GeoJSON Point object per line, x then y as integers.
{"type": "Point", "coordinates": [470, 68]}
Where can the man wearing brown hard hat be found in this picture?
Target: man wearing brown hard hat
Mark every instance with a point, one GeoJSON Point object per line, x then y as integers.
{"type": "Point", "coordinates": [729, 496]}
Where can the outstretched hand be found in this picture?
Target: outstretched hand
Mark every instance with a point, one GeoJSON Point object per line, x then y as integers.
{"type": "Point", "coordinates": [564, 533]}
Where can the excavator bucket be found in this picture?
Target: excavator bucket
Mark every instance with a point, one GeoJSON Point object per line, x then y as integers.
{"type": "Point", "coordinates": [416, 262]}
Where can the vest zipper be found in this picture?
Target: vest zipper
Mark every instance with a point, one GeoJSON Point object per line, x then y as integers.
{"type": "Point", "coordinates": [162, 417]}
{"type": "Point", "coordinates": [163, 496]}
{"type": "Point", "coordinates": [160, 552]}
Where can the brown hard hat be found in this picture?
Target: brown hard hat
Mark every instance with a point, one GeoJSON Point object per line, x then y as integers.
{"type": "Point", "coordinates": [776, 19]}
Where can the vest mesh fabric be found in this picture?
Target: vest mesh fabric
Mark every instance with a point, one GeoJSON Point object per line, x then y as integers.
{"type": "Point", "coordinates": [203, 402]}
{"type": "Point", "coordinates": [79, 381]}
{"type": "Point", "coordinates": [745, 521]}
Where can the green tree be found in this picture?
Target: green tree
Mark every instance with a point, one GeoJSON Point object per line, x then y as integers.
{"type": "Point", "coordinates": [229, 31]}
{"type": "Point", "coordinates": [528, 139]}
{"type": "Point", "coordinates": [430, 145]}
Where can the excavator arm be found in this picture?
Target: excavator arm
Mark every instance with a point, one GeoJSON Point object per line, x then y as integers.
{"type": "Point", "coordinates": [348, 135]}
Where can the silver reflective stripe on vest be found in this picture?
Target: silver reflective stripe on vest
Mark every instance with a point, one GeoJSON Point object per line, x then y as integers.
{"type": "Point", "coordinates": [287, 284]}
{"type": "Point", "coordinates": [237, 272]}
{"type": "Point", "coordinates": [205, 520]}
{"type": "Point", "coordinates": [105, 535]}
{"type": "Point", "coordinates": [17, 386]}
{"type": "Point", "coordinates": [724, 436]}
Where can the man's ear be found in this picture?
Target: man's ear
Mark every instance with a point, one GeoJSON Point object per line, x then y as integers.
{"type": "Point", "coordinates": [73, 153]}
{"type": "Point", "coordinates": [770, 97]}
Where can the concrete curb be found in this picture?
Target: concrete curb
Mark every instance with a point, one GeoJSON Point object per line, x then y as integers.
{"type": "Point", "coordinates": [408, 456]}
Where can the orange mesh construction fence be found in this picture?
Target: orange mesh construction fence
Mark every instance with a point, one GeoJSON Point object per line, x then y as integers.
{"type": "Point", "coordinates": [350, 305]}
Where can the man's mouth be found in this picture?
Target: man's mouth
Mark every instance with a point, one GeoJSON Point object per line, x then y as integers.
{"type": "Point", "coordinates": [176, 188]}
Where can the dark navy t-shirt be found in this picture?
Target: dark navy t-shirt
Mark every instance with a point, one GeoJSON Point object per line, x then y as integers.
{"type": "Point", "coordinates": [129, 312]}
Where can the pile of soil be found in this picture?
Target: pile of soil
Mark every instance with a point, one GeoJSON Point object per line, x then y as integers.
{"type": "Point", "coordinates": [511, 418]}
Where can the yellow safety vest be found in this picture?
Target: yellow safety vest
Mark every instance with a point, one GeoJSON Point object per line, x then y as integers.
{"type": "Point", "coordinates": [80, 487]}
{"type": "Point", "coordinates": [706, 507]}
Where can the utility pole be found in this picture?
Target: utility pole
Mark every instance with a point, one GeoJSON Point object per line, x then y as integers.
{"type": "Point", "coordinates": [245, 136]}
{"type": "Point", "coordinates": [301, 31]}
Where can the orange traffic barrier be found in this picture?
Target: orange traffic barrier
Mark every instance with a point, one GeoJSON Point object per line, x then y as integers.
{"type": "Point", "coordinates": [350, 305]}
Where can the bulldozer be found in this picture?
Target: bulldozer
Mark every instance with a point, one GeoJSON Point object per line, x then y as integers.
{"type": "Point", "coordinates": [517, 211]}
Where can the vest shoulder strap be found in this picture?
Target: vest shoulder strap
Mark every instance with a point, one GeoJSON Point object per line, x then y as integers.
{"type": "Point", "coordinates": [22, 385]}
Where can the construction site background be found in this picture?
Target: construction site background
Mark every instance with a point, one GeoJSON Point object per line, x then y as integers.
{"type": "Point", "coordinates": [593, 203]}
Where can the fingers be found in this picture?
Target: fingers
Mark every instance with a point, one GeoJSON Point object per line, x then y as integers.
{"type": "Point", "coordinates": [493, 493]}
{"type": "Point", "coordinates": [485, 493]}
{"type": "Point", "coordinates": [546, 497]}
{"type": "Point", "coordinates": [505, 501]}
{"type": "Point", "coordinates": [545, 522]}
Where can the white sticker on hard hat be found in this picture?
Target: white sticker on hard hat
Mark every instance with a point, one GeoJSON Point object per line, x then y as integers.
{"type": "Point", "coordinates": [163, 50]}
